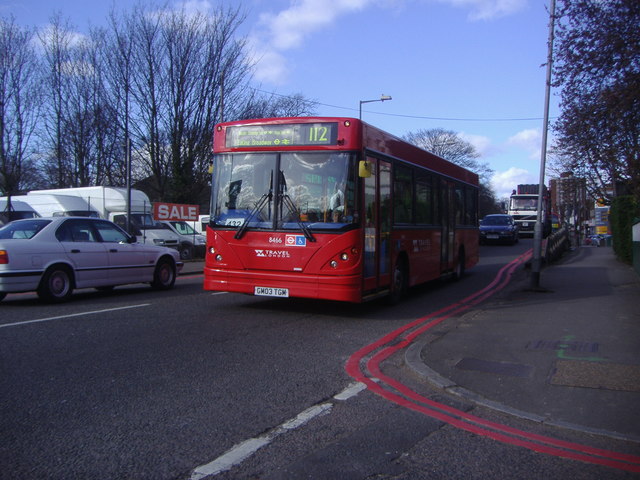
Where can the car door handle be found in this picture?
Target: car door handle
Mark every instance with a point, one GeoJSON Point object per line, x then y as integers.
{"type": "Point", "coordinates": [113, 250]}
{"type": "Point", "coordinates": [75, 250]}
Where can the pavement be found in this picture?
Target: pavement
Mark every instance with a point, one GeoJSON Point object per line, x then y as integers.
{"type": "Point", "coordinates": [192, 267]}
{"type": "Point", "coordinates": [565, 354]}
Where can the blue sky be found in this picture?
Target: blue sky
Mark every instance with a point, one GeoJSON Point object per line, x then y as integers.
{"type": "Point", "coordinates": [475, 67]}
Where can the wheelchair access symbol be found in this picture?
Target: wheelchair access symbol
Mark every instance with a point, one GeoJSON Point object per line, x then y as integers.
{"type": "Point", "coordinates": [295, 241]}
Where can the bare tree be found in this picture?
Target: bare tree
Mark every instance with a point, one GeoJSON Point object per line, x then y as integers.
{"type": "Point", "coordinates": [160, 77]}
{"type": "Point", "coordinates": [597, 68]}
{"type": "Point", "coordinates": [56, 41]}
{"type": "Point", "coordinates": [448, 145]}
{"type": "Point", "coordinates": [19, 103]}
{"type": "Point", "coordinates": [264, 106]}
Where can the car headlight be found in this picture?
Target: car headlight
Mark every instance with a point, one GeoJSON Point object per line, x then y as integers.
{"type": "Point", "coordinates": [158, 241]}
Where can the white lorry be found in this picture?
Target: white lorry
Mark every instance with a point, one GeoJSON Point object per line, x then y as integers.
{"type": "Point", "coordinates": [523, 207]}
{"type": "Point", "coordinates": [111, 203]}
{"type": "Point", "coordinates": [15, 211]}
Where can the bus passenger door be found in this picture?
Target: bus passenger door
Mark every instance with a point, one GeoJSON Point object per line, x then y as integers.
{"type": "Point", "coordinates": [447, 220]}
{"type": "Point", "coordinates": [377, 226]}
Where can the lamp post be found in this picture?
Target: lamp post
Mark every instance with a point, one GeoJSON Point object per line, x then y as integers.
{"type": "Point", "coordinates": [381, 99]}
{"type": "Point", "coordinates": [536, 258]}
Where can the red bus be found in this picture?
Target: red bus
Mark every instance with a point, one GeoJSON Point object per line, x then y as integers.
{"type": "Point", "coordinates": [333, 208]}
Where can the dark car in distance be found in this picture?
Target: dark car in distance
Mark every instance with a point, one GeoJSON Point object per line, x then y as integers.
{"type": "Point", "coordinates": [498, 228]}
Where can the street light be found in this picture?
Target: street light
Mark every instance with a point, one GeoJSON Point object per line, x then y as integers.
{"type": "Point", "coordinates": [381, 99]}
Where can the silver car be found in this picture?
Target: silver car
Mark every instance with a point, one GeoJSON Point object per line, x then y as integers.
{"type": "Point", "coordinates": [53, 256]}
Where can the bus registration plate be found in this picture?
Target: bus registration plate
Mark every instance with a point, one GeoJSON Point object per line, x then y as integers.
{"type": "Point", "coordinates": [271, 292]}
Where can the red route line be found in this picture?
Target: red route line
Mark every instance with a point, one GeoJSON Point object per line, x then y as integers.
{"type": "Point", "coordinates": [458, 418]}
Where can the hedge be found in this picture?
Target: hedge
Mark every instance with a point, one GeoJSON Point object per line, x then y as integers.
{"type": "Point", "coordinates": [623, 211]}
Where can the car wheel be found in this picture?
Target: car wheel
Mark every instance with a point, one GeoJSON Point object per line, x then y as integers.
{"type": "Point", "coordinates": [164, 275]}
{"type": "Point", "coordinates": [56, 284]}
{"type": "Point", "coordinates": [2, 295]}
{"type": "Point", "coordinates": [186, 252]}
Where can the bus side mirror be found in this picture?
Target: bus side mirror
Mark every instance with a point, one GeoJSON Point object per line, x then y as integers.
{"type": "Point", "coordinates": [364, 169]}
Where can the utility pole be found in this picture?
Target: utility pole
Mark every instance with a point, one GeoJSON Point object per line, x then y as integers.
{"type": "Point", "coordinates": [537, 233]}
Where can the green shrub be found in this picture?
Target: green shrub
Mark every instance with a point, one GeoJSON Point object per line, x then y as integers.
{"type": "Point", "coordinates": [621, 217]}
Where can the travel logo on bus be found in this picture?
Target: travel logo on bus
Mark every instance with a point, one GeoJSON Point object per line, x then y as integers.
{"type": "Point", "coordinates": [272, 253]}
{"type": "Point", "coordinates": [295, 241]}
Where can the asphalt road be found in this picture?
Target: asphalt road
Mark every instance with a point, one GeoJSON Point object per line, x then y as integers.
{"type": "Point", "coordinates": [189, 384]}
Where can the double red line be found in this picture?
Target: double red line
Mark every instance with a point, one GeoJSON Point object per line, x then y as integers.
{"type": "Point", "coordinates": [364, 366]}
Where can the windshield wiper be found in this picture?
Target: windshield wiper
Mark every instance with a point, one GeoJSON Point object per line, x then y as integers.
{"type": "Point", "coordinates": [292, 208]}
{"type": "Point", "coordinates": [261, 203]}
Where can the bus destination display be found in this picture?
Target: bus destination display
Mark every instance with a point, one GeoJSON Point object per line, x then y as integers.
{"type": "Point", "coordinates": [296, 134]}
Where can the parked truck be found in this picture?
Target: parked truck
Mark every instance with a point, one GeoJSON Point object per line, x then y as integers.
{"type": "Point", "coordinates": [523, 207]}
{"type": "Point", "coordinates": [111, 203]}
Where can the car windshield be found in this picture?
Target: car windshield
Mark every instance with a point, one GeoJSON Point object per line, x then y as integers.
{"type": "Point", "coordinates": [146, 222]}
{"type": "Point", "coordinates": [289, 191]}
{"type": "Point", "coordinates": [183, 228]}
{"type": "Point", "coordinates": [24, 229]}
{"type": "Point", "coordinates": [496, 221]}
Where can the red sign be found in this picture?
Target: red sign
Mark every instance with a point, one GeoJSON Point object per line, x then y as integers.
{"type": "Point", "coordinates": [175, 211]}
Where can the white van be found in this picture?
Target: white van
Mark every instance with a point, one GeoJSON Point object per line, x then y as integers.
{"type": "Point", "coordinates": [192, 243]}
{"type": "Point", "coordinates": [59, 205]}
{"type": "Point", "coordinates": [18, 210]}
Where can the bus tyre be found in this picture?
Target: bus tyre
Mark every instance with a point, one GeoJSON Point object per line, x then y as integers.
{"type": "Point", "coordinates": [164, 275]}
{"type": "Point", "coordinates": [399, 282]}
{"type": "Point", "coordinates": [459, 272]}
{"type": "Point", "coordinates": [56, 285]}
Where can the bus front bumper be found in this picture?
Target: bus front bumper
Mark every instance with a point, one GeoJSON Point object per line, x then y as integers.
{"type": "Point", "coordinates": [344, 288]}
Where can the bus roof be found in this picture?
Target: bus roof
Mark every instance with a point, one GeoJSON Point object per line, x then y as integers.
{"type": "Point", "coordinates": [342, 134]}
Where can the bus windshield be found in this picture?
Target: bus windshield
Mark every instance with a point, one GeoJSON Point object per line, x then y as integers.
{"type": "Point", "coordinates": [284, 191]}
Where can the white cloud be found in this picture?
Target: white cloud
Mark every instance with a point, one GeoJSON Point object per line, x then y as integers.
{"type": "Point", "coordinates": [529, 140]}
{"type": "Point", "coordinates": [288, 28]}
{"type": "Point", "coordinates": [504, 183]}
{"type": "Point", "coordinates": [272, 66]}
{"type": "Point", "coordinates": [488, 9]}
{"type": "Point", "coordinates": [481, 143]}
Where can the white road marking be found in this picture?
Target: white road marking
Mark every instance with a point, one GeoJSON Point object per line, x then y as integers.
{"type": "Point", "coordinates": [73, 315]}
{"type": "Point", "coordinates": [351, 391]}
{"type": "Point", "coordinates": [244, 450]}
